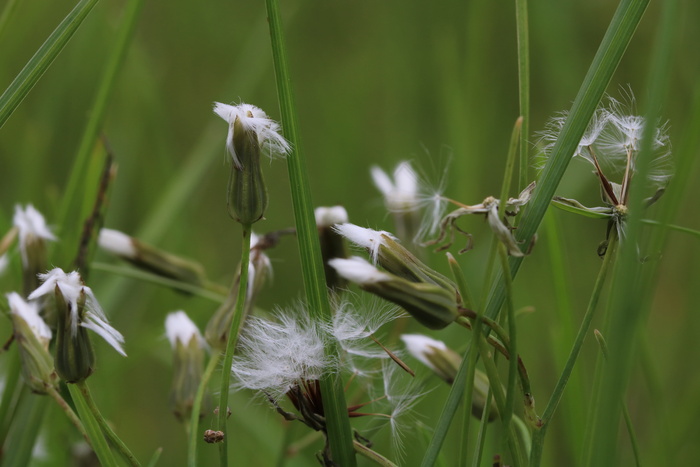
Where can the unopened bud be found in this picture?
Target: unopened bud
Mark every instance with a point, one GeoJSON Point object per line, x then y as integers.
{"type": "Point", "coordinates": [386, 251]}
{"type": "Point", "coordinates": [150, 258]}
{"type": "Point", "coordinates": [188, 363]}
{"type": "Point", "coordinates": [433, 306]}
{"type": "Point", "coordinates": [32, 336]}
{"type": "Point", "coordinates": [445, 362]}
{"type": "Point", "coordinates": [332, 244]}
{"type": "Point", "coordinates": [75, 357]}
{"type": "Point", "coordinates": [33, 235]}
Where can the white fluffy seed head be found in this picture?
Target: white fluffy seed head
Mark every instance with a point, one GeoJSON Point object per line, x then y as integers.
{"type": "Point", "coordinates": [276, 356]}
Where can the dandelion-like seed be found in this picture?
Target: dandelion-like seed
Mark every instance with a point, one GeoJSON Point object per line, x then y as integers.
{"type": "Point", "coordinates": [611, 145]}
{"type": "Point", "coordinates": [286, 359]}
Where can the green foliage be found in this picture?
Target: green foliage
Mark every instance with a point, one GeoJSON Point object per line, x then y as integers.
{"type": "Point", "coordinates": [374, 84]}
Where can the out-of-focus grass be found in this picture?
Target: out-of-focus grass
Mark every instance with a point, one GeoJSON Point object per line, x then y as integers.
{"type": "Point", "coordinates": [376, 82]}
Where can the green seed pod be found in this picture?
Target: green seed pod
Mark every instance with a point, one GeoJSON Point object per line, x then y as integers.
{"type": "Point", "coordinates": [75, 357]}
{"type": "Point", "coordinates": [247, 194]}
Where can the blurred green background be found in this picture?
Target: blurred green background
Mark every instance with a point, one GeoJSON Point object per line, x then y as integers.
{"type": "Point", "coordinates": [376, 83]}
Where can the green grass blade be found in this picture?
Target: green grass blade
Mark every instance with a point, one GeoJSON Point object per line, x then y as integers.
{"type": "Point", "coordinates": [42, 59]}
{"type": "Point", "coordinates": [628, 15]}
{"type": "Point", "coordinates": [338, 425]}
{"type": "Point", "coordinates": [629, 297]}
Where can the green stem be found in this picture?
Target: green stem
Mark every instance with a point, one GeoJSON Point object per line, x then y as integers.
{"type": "Point", "coordinates": [334, 406]}
{"type": "Point", "coordinates": [538, 438]}
{"type": "Point", "coordinates": [236, 323]}
{"type": "Point", "coordinates": [677, 228]}
{"type": "Point", "coordinates": [468, 301]}
{"type": "Point", "coordinates": [97, 439]}
{"type": "Point", "coordinates": [197, 408]}
{"type": "Point", "coordinates": [512, 349]}
{"type": "Point", "coordinates": [514, 443]}
{"type": "Point", "coordinates": [109, 433]}
{"type": "Point", "coordinates": [210, 291]}
{"type": "Point", "coordinates": [51, 391]}
{"type": "Point", "coordinates": [372, 455]}
{"type": "Point", "coordinates": [483, 427]}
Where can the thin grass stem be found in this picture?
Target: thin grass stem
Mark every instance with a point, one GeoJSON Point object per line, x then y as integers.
{"type": "Point", "coordinates": [194, 435]}
{"type": "Point", "coordinates": [522, 31]}
{"type": "Point", "coordinates": [234, 330]}
{"type": "Point", "coordinates": [558, 392]}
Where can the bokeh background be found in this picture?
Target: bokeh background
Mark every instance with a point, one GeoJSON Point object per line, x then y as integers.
{"type": "Point", "coordinates": [376, 83]}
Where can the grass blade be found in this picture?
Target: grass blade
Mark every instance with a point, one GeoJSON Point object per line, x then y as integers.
{"type": "Point", "coordinates": [42, 59]}
{"type": "Point", "coordinates": [338, 425]}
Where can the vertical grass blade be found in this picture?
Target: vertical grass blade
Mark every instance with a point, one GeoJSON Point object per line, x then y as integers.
{"type": "Point", "coordinates": [339, 434]}
{"type": "Point", "coordinates": [42, 59]}
{"type": "Point", "coordinates": [618, 36]}
{"type": "Point", "coordinates": [627, 309]}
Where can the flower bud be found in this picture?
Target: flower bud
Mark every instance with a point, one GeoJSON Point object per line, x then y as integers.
{"type": "Point", "coordinates": [392, 256]}
{"type": "Point", "coordinates": [33, 235]}
{"type": "Point", "coordinates": [75, 357]}
{"type": "Point", "coordinates": [149, 258]}
{"type": "Point", "coordinates": [433, 306]}
{"type": "Point", "coordinates": [188, 362]}
{"type": "Point", "coordinates": [251, 133]}
{"type": "Point", "coordinates": [77, 310]}
{"type": "Point", "coordinates": [332, 244]}
{"type": "Point", "coordinates": [32, 336]}
{"type": "Point", "coordinates": [247, 194]}
{"type": "Point", "coordinates": [445, 362]}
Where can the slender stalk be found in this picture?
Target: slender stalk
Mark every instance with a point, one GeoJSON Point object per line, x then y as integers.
{"type": "Point", "coordinates": [538, 438]}
{"type": "Point", "coordinates": [97, 439]}
{"type": "Point", "coordinates": [512, 348]}
{"type": "Point", "coordinates": [109, 433]}
{"type": "Point", "coordinates": [334, 406]}
{"type": "Point", "coordinates": [197, 408]}
{"type": "Point", "coordinates": [211, 291]}
{"type": "Point", "coordinates": [483, 427]}
{"type": "Point", "coordinates": [467, 299]}
{"type": "Point", "coordinates": [372, 455]}
{"type": "Point", "coordinates": [236, 323]}
{"type": "Point", "coordinates": [514, 443]}
{"type": "Point", "coordinates": [51, 391]}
